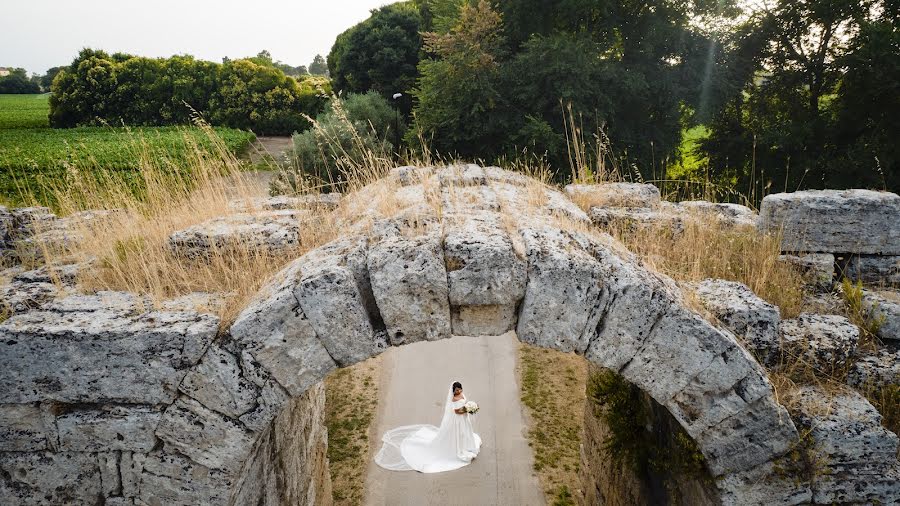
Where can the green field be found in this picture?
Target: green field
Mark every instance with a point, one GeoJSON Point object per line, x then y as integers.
{"type": "Point", "coordinates": [32, 155]}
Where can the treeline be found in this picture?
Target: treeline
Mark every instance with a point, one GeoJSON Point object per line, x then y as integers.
{"type": "Point", "coordinates": [17, 82]}
{"type": "Point", "coordinates": [99, 88]}
{"type": "Point", "coordinates": [797, 95]}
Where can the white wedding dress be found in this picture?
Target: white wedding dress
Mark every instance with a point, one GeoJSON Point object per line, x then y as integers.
{"type": "Point", "coordinates": [430, 449]}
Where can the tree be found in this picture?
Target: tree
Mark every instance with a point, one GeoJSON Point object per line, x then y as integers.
{"type": "Point", "coordinates": [804, 117]}
{"type": "Point", "coordinates": [318, 67]}
{"type": "Point", "coordinates": [379, 54]}
{"type": "Point", "coordinates": [47, 79]}
{"type": "Point", "coordinates": [460, 104]}
{"type": "Point", "coordinates": [17, 82]}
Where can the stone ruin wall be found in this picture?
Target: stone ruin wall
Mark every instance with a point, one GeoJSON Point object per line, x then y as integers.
{"type": "Point", "coordinates": [105, 399]}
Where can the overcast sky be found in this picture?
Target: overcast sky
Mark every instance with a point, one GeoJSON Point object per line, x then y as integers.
{"type": "Point", "coordinates": [39, 34]}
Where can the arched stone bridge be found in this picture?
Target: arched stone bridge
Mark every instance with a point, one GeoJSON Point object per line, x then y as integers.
{"type": "Point", "coordinates": [464, 251]}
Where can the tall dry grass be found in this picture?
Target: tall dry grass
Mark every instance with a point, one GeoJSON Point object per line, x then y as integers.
{"type": "Point", "coordinates": [706, 249]}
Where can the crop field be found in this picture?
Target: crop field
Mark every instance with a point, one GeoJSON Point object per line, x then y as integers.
{"type": "Point", "coordinates": [34, 156]}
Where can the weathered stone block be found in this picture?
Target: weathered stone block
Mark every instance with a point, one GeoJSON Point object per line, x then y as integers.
{"type": "Point", "coordinates": [483, 268]}
{"type": "Point", "coordinates": [482, 320]}
{"type": "Point", "coordinates": [108, 428]}
{"type": "Point", "coordinates": [860, 455]}
{"type": "Point", "coordinates": [883, 309]}
{"type": "Point", "coordinates": [99, 356]}
{"type": "Point", "coordinates": [750, 318]}
{"type": "Point", "coordinates": [874, 270]}
{"type": "Point", "coordinates": [409, 280]}
{"type": "Point", "coordinates": [269, 403]}
{"type": "Point", "coordinates": [22, 428]}
{"type": "Point", "coordinates": [171, 479]}
{"type": "Point", "coordinates": [825, 342]}
{"type": "Point", "coordinates": [764, 484]}
{"type": "Point", "coordinates": [725, 214]}
{"type": "Point", "coordinates": [875, 369]}
{"type": "Point", "coordinates": [637, 218]}
{"type": "Point", "coordinates": [817, 268]}
{"type": "Point", "coordinates": [834, 221]}
{"type": "Point", "coordinates": [564, 285]}
{"type": "Point", "coordinates": [217, 383]}
{"type": "Point", "coordinates": [272, 231]}
{"type": "Point", "coordinates": [757, 435]}
{"type": "Point", "coordinates": [279, 337]}
{"type": "Point", "coordinates": [208, 438]}
{"type": "Point", "coordinates": [28, 478]}
{"type": "Point", "coordinates": [334, 302]}
{"type": "Point", "coordinates": [615, 194]}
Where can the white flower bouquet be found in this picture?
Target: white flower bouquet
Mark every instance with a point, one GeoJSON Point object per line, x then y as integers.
{"type": "Point", "coordinates": [471, 408]}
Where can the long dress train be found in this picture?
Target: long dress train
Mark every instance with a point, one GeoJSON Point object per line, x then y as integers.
{"type": "Point", "coordinates": [430, 449]}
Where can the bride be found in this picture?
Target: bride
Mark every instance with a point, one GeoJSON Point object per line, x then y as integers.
{"type": "Point", "coordinates": [430, 449]}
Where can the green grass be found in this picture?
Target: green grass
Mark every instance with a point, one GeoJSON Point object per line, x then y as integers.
{"type": "Point", "coordinates": [24, 111]}
{"type": "Point", "coordinates": [34, 156]}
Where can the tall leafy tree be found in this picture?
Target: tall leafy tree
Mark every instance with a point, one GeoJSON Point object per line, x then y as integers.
{"type": "Point", "coordinates": [318, 67]}
{"type": "Point", "coordinates": [379, 54]}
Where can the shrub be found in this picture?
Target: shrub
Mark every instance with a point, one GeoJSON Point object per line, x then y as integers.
{"type": "Point", "coordinates": [122, 89]}
{"type": "Point", "coordinates": [346, 135]}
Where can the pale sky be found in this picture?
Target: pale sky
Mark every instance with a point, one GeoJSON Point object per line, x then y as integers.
{"type": "Point", "coordinates": [39, 34]}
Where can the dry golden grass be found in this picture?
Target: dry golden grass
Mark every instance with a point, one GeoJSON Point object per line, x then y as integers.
{"type": "Point", "coordinates": [350, 407]}
{"type": "Point", "coordinates": [707, 250]}
{"type": "Point", "coordinates": [553, 392]}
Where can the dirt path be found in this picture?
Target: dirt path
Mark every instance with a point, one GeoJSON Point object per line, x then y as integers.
{"type": "Point", "coordinates": [413, 385]}
{"type": "Point", "coordinates": [275, 147]}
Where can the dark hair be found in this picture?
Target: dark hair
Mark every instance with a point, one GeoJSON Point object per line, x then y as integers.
{"type": "Point", "coordinates": [456, 385]}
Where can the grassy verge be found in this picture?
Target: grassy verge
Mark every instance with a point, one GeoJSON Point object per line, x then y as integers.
{"type": "Point", "coordinates": [350, 407]}
{"type": "Point", "coordinates": [553, 386]}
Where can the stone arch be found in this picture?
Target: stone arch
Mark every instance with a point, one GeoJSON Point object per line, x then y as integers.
{"type": "Point", "coordinates": [467, 251]}
{"type": "Point", "coordinates": [414, 277]}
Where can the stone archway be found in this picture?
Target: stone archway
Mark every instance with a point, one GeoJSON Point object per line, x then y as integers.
{"type": "Point", "coordinates": [464, 250]}
{"type": "Point", "coordinates": [414, 278]}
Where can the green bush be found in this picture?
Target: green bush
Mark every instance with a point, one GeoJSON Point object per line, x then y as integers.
{"type": "Point", "coordinates": [98, 88]}
{"type": "Point", "coordinates": [347, 134]}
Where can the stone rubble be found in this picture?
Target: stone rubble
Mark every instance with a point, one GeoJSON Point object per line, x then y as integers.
{"type": "Point", "coordinates": [824, 342]}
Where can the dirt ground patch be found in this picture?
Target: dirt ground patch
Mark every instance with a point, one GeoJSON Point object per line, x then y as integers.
{"type": "Point", "coordinates": [553, 392]}
{"type": "Point", "coordinates": [351, 397]}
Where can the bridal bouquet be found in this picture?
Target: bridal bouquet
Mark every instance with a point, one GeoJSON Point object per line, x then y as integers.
{"type": "Point", "coordinates": [471, 408]}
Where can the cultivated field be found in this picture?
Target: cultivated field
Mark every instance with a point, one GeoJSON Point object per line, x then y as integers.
{"type": "Point", "coordinates": [34, 156]}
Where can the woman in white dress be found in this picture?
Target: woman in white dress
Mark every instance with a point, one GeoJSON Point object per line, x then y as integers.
{"type": "Point", "coordinates": [430, 449]}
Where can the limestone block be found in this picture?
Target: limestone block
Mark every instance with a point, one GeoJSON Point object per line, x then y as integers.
{"type": "Point", "coordinates": [860, 455]}
{"type": "Point", "coordinates": [22, 428]}
{"type": "Point", "coordinates": [482, 320]}
{"type": "Point", "coordinates": [824, 341]}
{"type": "Point", "coordinates": [875, 369]}
{"type": "Point", "coordinates": [731, 383]}
{"type": "Point", "coordinates": [883, 309]}
{"type": "Point", "coordinates": [28, 478]}
{"type": "Point", "coordinates": [614, 195]}
{"type": "Point", "coordinates": [834, 221]}
{"type": "Point", "coordinates": [817, 268]}
{"type": "Point", "coordinates": [18, 297]}
{"type": "Point", "coordinates": [725, 214]}
{"type": "Point", "coordinates": [411, 176]}
{"type": "Point", "coordinates": [279, 337]}
{"type": "Point", "coordinates": [462, 175]}
{"type": "Point", "coordinates": [110, 478]}
{"type": "Point", "coordinates": [483, 268]}
{"type": "Point", "coordinates": [99, 356]}
{"type": "Point", "coordinates": [757, 435]}
{"type": "Point", "coordinates": [741, 311]}
{"type": "Point", "coordinates": [206, 437]}
{"type": "Point", "coordinates": [764, 484]}
{"type": "Point", "coordinates": [269, 403]}
{"type": "Point", "coordinates": [637, 218]}
{"type": "Point", "coordinates": [874, 270]}
{"type": "Point", "coordinates": [636, 302]}
{"type": "Point", "coordinates": [332, 298]}
{"type": "Point", "coordinates": [409, 280]}
{"type": "Point", "coordinates": [272, 231]}
{"type": "Point", "coordinates": [217, 383]}
{"type": "Point", "coordinates": [172, 479]}
{"type": "Point", "coordinates": [108, 428]}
